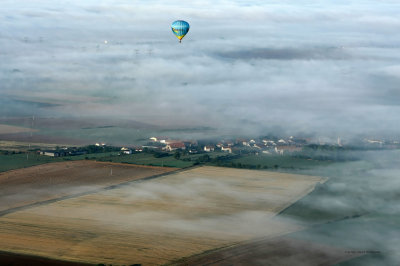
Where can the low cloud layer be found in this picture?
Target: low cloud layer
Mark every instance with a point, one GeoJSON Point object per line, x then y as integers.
{"type": "Point", "coordinates": [330, 68]}
{"type": "Point", "coordinates": [361, 200]}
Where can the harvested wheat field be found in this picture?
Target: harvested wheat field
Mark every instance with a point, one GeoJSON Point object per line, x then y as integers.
{"type": "Point", "coordinates": [159, 220]}
{"type": "Point", "coordinates": [50, 181]}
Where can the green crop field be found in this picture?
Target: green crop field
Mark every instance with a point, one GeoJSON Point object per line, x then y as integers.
{"type": "Point", "coordinates": [16, 161]}
{"type": "Point", "coordinates": [21, 160]}
{"type": "Point", "coordinates": [194, 157]}
{"type": "Point", "coordinates": [277, 161]}
{"type": "Point", "coordinates": [148, 159]}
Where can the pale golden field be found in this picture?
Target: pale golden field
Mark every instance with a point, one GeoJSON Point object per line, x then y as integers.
{"type": "Point", "coordinates": [160, 220]}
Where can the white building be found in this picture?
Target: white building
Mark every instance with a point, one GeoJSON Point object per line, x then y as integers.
{"type": "Point", "coordinates": [126, 150]}
{"type": "Point", "coordinates": [51, 153]}
{"type": "Point", "coordinates": [102, 144]}
{"type": "Point", "coordinates": [208, 148]}
{"type": "Point", "coordinates": [226, 149]}
{"type": "Point", "coordinates": [175, 146]}
{"type": "Point", "coordinates": [268, 142]}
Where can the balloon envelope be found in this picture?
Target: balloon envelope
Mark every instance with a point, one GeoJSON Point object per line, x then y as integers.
{"type": "Point", "coordinates": [180, 28]}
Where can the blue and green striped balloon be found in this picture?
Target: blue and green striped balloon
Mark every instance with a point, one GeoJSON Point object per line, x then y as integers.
{"type": "Point", "coordinates": [180, 28]}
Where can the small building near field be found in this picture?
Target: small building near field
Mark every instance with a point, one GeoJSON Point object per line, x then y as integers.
{"type": "Point", "coordinates": [226, 149]}
{"type": "Point", "coordinates": [125, 150]}
{"type": "Point", "coordinates": [51, 153]}
{"type": "Point", "coordinates": [175, 146]}
{"type": "Point", "coordinates": [138, 149]}
{"type": "Point", "coordinates": [102, 144]}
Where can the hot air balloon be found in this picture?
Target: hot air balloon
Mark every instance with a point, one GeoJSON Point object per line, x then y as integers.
{"type": "Point", "coordinates": [180, 28]}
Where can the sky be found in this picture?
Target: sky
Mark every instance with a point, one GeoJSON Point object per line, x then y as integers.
{"type": "Point", "coordinates": [330, 67]}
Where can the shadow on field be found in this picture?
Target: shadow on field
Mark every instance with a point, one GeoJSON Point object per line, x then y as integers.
{"type": "Point", "coordinates": [11, 259]}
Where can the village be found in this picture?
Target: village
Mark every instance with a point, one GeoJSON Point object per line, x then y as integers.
{"type": "Point", "coordinates": [261, 145]}
{"type": "Point", "coordinates": [279, 146]}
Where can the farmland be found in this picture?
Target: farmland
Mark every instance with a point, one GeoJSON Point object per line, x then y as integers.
{"type": "Point", "coordinates": [169, 160]}
{"type": "Point", "coordinates": [7, 129]}
{"type": "Point", "coordinates": [86, 131]}
{"type": "Point", "coordinates": [16, 160]}
{"type": "Point", "coordinates": [148, 159]}
{"type": "Point", "coordinates": [159, 220]}
{"type": "Point", "coordinates": [275, 162]}
{"type": "Point", "coordinates": [23, 160]}
{"type": "Point", "coordinates": [50, 181]}
{"type": "Point", "coordinates": [17, 146]}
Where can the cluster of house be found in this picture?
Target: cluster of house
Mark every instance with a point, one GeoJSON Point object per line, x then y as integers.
{"type": "Point", "coordinates": [263, 145]}
{"type": "Point", "coordinates": [226, 147]}
{"type": "Point", "coordinates": [279, 146]}
{"type": "Point", "coordinates": [382, 143]}
{"type": "Point", "coordinates": [168, 144]}
{"type": "Point", "coordinates": [267, 146]}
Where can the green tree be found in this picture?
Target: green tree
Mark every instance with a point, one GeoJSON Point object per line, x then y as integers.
{"type": "Point", "coordinates": [177, 155]}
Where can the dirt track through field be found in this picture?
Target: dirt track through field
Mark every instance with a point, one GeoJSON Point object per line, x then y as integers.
{"type": "Point", "coordinates": [159, 220]}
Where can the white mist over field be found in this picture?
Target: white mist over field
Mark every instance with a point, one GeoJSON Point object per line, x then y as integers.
{"type": "Point", "coordinates": [300, 66]}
